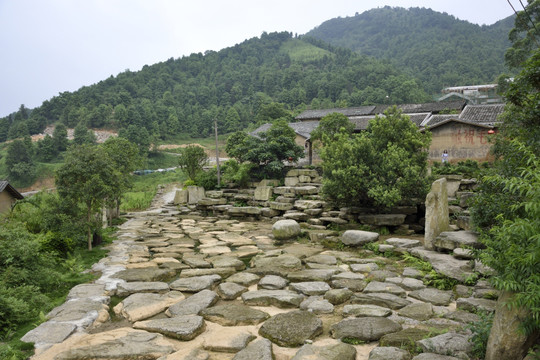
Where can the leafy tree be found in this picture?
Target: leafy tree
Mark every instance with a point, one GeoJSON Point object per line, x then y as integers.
{"type": "Point", "coordinates": [87, 176]}
{"type": "Point", "coordinates": [46, 149]}
{"type": "Point", "coordinates": [330, 125]}
{"type": "Point", "coordinates": [525, 36]}
{"type": "Point", "coordinates": [191, 160]}
{"type": "Point", "coordinates": [237, 146]}
{"type": "Point", "coordinates": [19, 162]}
{"type": "Point", "coordinates": [60, 137]}
{"type": "Point", "coordinates": [382, 167]}
{"type": "Point", "coordinates": [139, 136]}
{"type": "Point", "coordinates": [82, 135]}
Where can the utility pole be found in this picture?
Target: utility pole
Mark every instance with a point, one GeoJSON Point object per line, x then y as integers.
{"type": "Point", "coordinates": [217, 155]}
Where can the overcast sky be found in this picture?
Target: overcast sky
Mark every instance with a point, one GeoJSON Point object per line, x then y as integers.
{"type": "Point", "coordinates": [51, 46]}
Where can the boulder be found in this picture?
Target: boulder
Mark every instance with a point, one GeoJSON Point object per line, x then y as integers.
{"type": "Point", "coordinates": [310, 287]}
{"type": "Point", "coordinates": [388, 353]}
{"type": "Point", "coordinates": [185, 327]}
{"type": "Point", "coordinates": [382, 219]}
{"type": "Point", "coordinates": [257, 350]}
{"type": "Point", "coordinates": [142, 305]}
{"type": "Point", "coordinates": [285, 229]}
{"type": "Point", "coordinates": [417, 311]}
{"type": "Point", "coordinates": [263, 193]}
{"type": "Point", "coordinates": [437, 219]}
{"type": "Point", "coordinates": [272, 282]}
{"type": "Point", "coordinates": [384, 287]}
{"type": "Point", "coordinates": [447, 344]}
{"type": "Point", "coordinates": [450, 240]}
{"type": "Point", "coordinates": [432, 295]}
{"type": "Point", "coordinates": [230, 290]}
{"type": "Point", "coordinates": [291, 329]}
{"type": "Point", "coordinates": [195, 194]}
{"type": "Point", "coordinates": [382, 299]}
{"type": "Point", "coordinates": [366, 311]}
{"type": "Point", "coordinates": [339, 351]}
{"type": "Point", "coordinates": [364, 328]}
{"type": "Point", "coordinates": [195, 283]}
{"type": "Point", "coordinates": [358, 237]}
{"type": "Point", "coordinates": [243, 278]}
{"type": "Point", "coordinates": [234, 315]}
{"type": "Point", "coordinates": [193, 305]}
{"type": "Point", "coordinates": [279, 298]}
{"type": "Point", "coordinates": [180, 197]}
{"type": "Point", "coordinates": [338, 296]}
{"type": "Point", "coordinates": [317, 305]}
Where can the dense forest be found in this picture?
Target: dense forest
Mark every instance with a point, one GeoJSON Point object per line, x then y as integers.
{"type": "Point", "coordinates": [436, 48]}
{"type": "Point", "coordinates": [238, 86]}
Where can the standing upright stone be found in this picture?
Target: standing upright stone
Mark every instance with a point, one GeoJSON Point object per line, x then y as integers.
{"type": "Point", "coordinates": [195, 194]}
{"type": "Point", "coordinates": [437, 219]}
{"type": "Point", "coordinates": [181, 197]}
{"type": "Point", "coordinates": [263, 193]}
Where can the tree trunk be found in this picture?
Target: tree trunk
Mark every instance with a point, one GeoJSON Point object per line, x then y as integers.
{"type": "Point", "coordinates": [506, 340]}
{"type": "Point", "coordinates": [89, 226]}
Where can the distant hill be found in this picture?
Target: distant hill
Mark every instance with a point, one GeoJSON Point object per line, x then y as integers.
{"type": "Point", "coordinates": [239, 86]}
{"type": "Point", "coordinates": [436, 48]}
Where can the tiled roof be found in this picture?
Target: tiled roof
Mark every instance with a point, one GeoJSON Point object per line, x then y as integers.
{"type": "Point", "coordinates": [318, 114]}
{"type": "Point", "coordinates": [302, 128]}
{"type": "Point", "coordinates": [4, 185]}
{"type": "Point", "coordinates": [482, 114]}
{"type": "Point", "coordinates": [438, 118]}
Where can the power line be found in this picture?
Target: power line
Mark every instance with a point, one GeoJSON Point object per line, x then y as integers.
{"type": "Point", "coordinates": [530, 19]}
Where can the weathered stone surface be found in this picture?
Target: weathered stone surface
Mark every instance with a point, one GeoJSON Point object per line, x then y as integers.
{"type": "Point", "coordinates": [339, 351]}
{"type": "Point", "coordinates": [262, 193]}
{"type": "Point", "coordinates": [195, 283]}
{"type": "Point", "coordinates": [145, 274]}
{"type": "Point", "coordinates": [87, 291]}
{"type": "Point", "coordinates": [279, 265]}
{"type": "Point", "coordinates": [244, 210]}
{"type": "Point", "coordinates": [273, 282]}
{"type": "Point", "coordinates": [234, 315]}
{"type": "Point", "coordinates": [279, 298]}
{"type": "Point", "coordinates": [382, 299]}
{"type": "Point", "coordinates": [194, 304]}
{"type": "Point", "coordinates": [404, 337]}
{"type": "Point", "coordinates": [321, 259]}
{"type": "Point", "coordinates": [308, 204]}
{"type": "Point", "coordinates": [364, 268]}
{"type": "Point", "coordinates": [432, 295]}
{"type": "Point", "coordinates": [180, 197]}
{"type": "Point", "coordinates": [231, 342]}
{"type": "Point", "coordinates": [445, 264]}
{"type": "Point", "coordinates": [450, 240]}
{"type": "Point", "coordinates": [432, 356]}
{"type": "Point", "coordinates": [257, 350]}
{"type": "Point", "coordinates": [388, 353]}
{"type": "Point", "coordinates": [317, 305]}
{"type": "Point", "coordinates": [228, 261]}
{"type": "Point", "coordinates": [463, 254]}
{"type": "Point", "coordinates": [211, 202]}
{"type": "Point", "coordinates": [417, 311]}
{"type": "Point", "coordinates": [142, 306]}
{"type": "Point", "coordinates": [84, 311]}
{"type": "Point", "coordinates": [462, 316]}
{"type": "Point", "coordinates": [312, 275]}
{"type": "Point", "coordinates": [214, 194]}
{"type": "Point", "coordinates": [449, 343]}
{"type": "Point", "coordinates": [291, 329]}
{"type": "Point", "coordinates": [195, 194]}
{"type": "Point", "coordinates": [384, 287]}
{"type": "Point", "coordinates": [407, 283]}
{"type": "Point", "coordinates": [306, 190]}
{"type": "Point", "coordinates": [125, 289]}
{"type": "Point", "coordinates": [280, 206]}
{"type": "Point", "coordinates": [338, 296]}
{"type": "Point", "coordinates": [437, 219]}
{"type": "Point", "coordinates": [403, 243]}
{"type": "Point", "coordinates": [285, 229]}
{"type": "Point", "coordinates": [196, 261]}
{"type": "Point", "coordinates": [235, 239]}
{"type": "Point", "coordinates": [364, 328]}
{"type": "Point", "coordinates": [358, 237]}
{"type": "Point", "coordinates": [351, 284]}
{"type": "Point", "coordinates": [382, 219]}
{"type": "Point", "coordinates": [185, 327]}
{"type": "Point", "coordinates": [128, 344]}
{"type": "Point", "coordinates": [291, 180]}
{"type": "Point", "coordinates": [49, 333]}
{"type": "Point", "coordinates": [243, 278]}
{"type": "Point", "coordinates": [474, 304]}
{"type": "Point", "coordinates": [310, 287]}
{"type": "Point", "coordinates": [230, 290]}
{"type": "Point", "coordinates": [296, 215]}
{"type": "Point", "coordinates": [366, 311]}
{"type": "Point", "coordinates": [223, 272]}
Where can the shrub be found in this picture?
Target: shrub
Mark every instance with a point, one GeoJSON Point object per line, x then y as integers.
{"type": "Point", "coordinates": [207, 179]}
{"type": "Point", "coordinates": [191, 160]}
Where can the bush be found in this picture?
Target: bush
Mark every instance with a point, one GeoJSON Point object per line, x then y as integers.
{"type": "Point", "coordinates": [207, 179]}
{"type": "Point", "coordinates": [381, 167]}
{"type": "Point", "coordinates": [236, 173]}
{"type": "Point", "coordinates": [191, 160]}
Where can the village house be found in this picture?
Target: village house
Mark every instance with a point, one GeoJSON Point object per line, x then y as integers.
{"type": "Point", "coordinates": [463, 130]}
{"type": "Point", "coordinates": [8, 196]}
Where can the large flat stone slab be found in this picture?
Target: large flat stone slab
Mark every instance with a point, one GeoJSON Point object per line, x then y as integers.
{"type": "Point", "coordinates": [194, 304]}
{"type": "Point", "coordinates": [234, 315]}
{"type": "Point", "coordinates": [128, 288]}
{"type": "Point", "coordinates": [49, 333]}
{"type": "Point", "coordinates": [339, 351]}
{"type": "Point", "coordinates": [279, 298]}
{"type": "Point", "coordinates": [145, 274]}
{"type": "Point", "coordinates": [381, 299]}
{"type": "Point", "coordinates": [185, 327]}
{"type": "Point", "coordinates": [291, 329]}
{"type": "Point", "coordinates": [195, 283]}
{"type": "Point", "coordinates": [257, 350]}
{"type": "Point", "coordinates": [445, 264]}
{"type": "Point", "coordinates": [364, 328]}
{"type": "Point", "coordinates": [142, 306]}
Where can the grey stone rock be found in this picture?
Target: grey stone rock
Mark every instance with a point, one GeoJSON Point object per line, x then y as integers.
{"type": "Point", "coordinates": [388, 353]}
{"type": "Point", "coordinates": [279, 298]}
{"type": "Point", "coordinates": [322, 259]}
{"type": "Point", "coordinates": [385, 287]}
{"type": "Point", "coordinates": [382, 299]}
{"type": "Point", "coordinates": [417, 311]}
{"type": "Point", "coordinates": [445, 264]}
{"type": "Point", "coordinates": [272, 282]}
{"type": "Point", "coordinates": [280, 206]}
{"type": "Point", "coordinates": [231, 343]}
{"type": "Point", "coordinates": [257, 350]}
{"type": "Point", "coordinates": [125, 289]}
{"type": "Point", "coordinates": [463, 254]}
{"type": "Point", "coordinates": [144, 305]}
{"type": "Point", "coordinates": [296, 215]}
{"type": "Point", "coordinates": [432, 356]}
{"type": "Point", "coordinates": [49, 333]}
{"type": "Point", "coordinates": [338, 296]}
{"type": "Point", "coordinates": [228, 261]}
{"type": "Point", "coordinates": [196, 261]}
{"type": "Point", "coordinates": [87, 291]}
{"type": "Point", "coordinates": [196, 283]}
{"type": "Point", "coordinates": [312, 275]}
{"type": "Point", "coordinates": [358, 237]}
{"type": "Point", "coordinates": [437, 219]}
{"type": "Point", "coordinates": [449, 240]}
{"type": "Point", "coordinates": [474, 304]}
{"type": "Point", "coordinates": [381, 275]}
{"type": "Point", "coordinates": [403, 243]}
{"type": "Point", "coordinates": [364, 328]}
{"type": "Point", "coordinates": [317, 305]}
{"type": "Point", "coordinates": [432, 295]}
{"type": "Point", "coordinates": [407, 283]}
{"type": "Point", "coordinates": [234, 315]}
{"type": "Point", "coordinates": [366, 311]}
{"type": "Point", "coordinates": [449, 343]}
{"type": "Point", "coordinates": [262, 193]}
{"type": "Point", "coordinates": [291, 329]}
{"type": "Point", "coordinates": [244, 210]}
{"type": "Point", "coordinates": [222, 272]}
{"type": "Point", "coordinates": [128, 344]}
{"type": "Point", "coordinates": [308, 204]}
{"type": "Point", "coordinates": [412, 273]}
{"type": "Point", "coordinates": [243, 278]}
{"type": "Point", "coordinates": [194, 304]}
{"type": "Point", "coordinates": [285, 229]}
{"type": "Point", "coordinates": [195, 194]}
{"type": "Point", "coordinates": [364, 268]}
{"type": "Point", "coordinates": [462, 316]}
{"type": "Point", "coordinates": [310, 287]}
{"type": "Point", "coordinates": [306, 190]}
{"type": "Point", "coordinates": [230, 291]}
{"type": "Point", "coordinates": [145, 274]}
{"type": "Point", "coordinates": [382, 219]}
{"type": "Point", "coordinates": [185, 327]}
{"type": "Point", "coordinates": [350, 284]}
{"type": "Point", "coordinates": [339, 351]}
{"type": "Point", "coordinates": [404, 338]}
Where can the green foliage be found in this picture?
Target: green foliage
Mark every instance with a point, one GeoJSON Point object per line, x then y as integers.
{"type": "Point", "coordinates": [439, 281]}
{"type": "Point", "coordinates": [19, 162]}
{"type": "Point", "coordinates": [352, 341]}
{"type": "Point", "coordinates": [330, 125]}
{"type": "Point", "coordinates": [236, 173]}
{"type": "Point", "coordinates": [381, 167]}
{"type": "Point", "coordinates": [480, 334]}
{"type": "Point", "coordinates": [438, 48]}
{"type": "Point", "coordinates": [524, 36]}
{"type": "Point", "coordinates": [207, 179]}
{"type": "Point", "coordinates": [191, 160]}
{"type": "Point", "coordinates": [467, 168]}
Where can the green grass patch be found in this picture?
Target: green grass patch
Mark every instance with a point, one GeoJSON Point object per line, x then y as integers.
{"type": "Point", "coordinates": [303, 52]}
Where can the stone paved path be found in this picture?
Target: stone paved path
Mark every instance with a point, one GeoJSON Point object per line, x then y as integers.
{"type": "Point", "coordinates": [198, 288]}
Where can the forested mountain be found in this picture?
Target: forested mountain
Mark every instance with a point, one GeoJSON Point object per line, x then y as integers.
{"type": "Point", "coordinates": [434, 47]}
{"type": "Point", "coordinates": [259, 79]}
